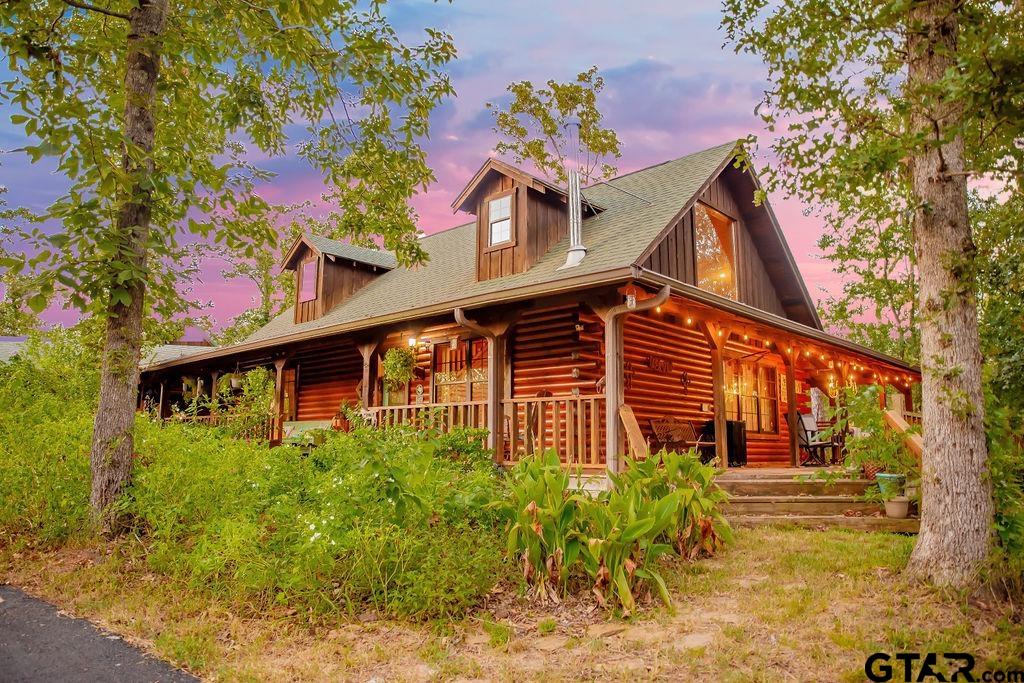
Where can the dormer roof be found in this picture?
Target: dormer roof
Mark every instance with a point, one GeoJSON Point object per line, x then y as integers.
{"type": "Point", "coordinates": [467, 199]}
{"type": "Point", "coordinates": [324, 245]}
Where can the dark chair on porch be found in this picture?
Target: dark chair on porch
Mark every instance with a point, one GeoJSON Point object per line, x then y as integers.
{"type": "Point", "coordinates": [674, 434]}
{"type": "Point", "coordinates": [812, 444]}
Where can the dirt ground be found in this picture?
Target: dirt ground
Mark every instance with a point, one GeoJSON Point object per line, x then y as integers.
{"type": "Point", "coordinates": [778, 605]}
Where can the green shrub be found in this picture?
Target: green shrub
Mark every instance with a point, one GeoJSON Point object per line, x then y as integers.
{"type": "Point", "coordinates": [698, 527]}
{"type": "Point", "coordinates": [1004, 429]}
{"type": "Point", "coordinates": [373, 519]}
{"type": "Point", "coordinates": [48, 398]}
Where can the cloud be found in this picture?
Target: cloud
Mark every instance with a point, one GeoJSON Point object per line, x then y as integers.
{"type": "Point", "coordinates": [671, 89]}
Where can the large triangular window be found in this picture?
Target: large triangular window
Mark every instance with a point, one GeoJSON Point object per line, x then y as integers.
{"type": "Point", "coordinates": [714, 254]}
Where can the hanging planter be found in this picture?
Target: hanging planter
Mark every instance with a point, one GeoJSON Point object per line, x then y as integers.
{"type": "Point", "coordinates": [399, 367]}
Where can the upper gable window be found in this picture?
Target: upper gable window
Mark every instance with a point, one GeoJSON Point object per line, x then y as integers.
{"type": "Point", "coordinates": [307, 281]}
{"type": "Point", "coordinates": [714, 251]}
{"type": "Point", "coordinates": [499, 217]}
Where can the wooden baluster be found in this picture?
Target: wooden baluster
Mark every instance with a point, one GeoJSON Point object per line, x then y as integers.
{"type": "Point", "coordinates": [513, 431]}
{"type": "Point", "coordinates": [595, 433]}
{"type": "Point", "coordinates": [570, 431]}
{"type": "Point", "coordinates": [556, 429]}
{"type": "Point", "coordinates": [581, 436]}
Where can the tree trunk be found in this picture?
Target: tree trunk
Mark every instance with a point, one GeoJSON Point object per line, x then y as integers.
{"type": "Point", "coordinates": [112, 442]}
{"type": "Point", "coordinates": [957, 511]}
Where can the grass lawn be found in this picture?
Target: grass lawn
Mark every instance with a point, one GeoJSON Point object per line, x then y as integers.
{"type": "Point", "coordinates": [779, 604]}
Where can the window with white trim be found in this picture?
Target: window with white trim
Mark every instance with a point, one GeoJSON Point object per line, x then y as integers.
{"type": "Point", "coordinates": [499, 216]}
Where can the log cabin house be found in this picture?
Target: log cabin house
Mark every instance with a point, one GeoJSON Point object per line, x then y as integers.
{"type": "Point", "coordinates": [686, 308]}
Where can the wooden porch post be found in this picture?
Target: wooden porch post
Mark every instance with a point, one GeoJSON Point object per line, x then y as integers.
{"type": "Point", "coordinates": [614, 392]}
{"type": "Point", "coordinates": [279, 399]}
{"type": "Point", "coordinates": [160, 402]}
{"type": "Point", "coordinates": [792, 414]}
{"type": "Point", "coordinates": [716, 337]}
{"type": "Point", "coordinates": [614, 388]}
{"type": "Point", "coordinates": [367, 350]}
{"type": "Point", "coordinates": [496, 334]}
{"type": "Point", "coordinates": [908, 398]}
{"type": "Point", "coordinates": [213, 384]}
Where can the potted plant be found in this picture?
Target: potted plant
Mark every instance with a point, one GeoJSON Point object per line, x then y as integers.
{"type": "Point", "coordinates": [897, 507]}
{"type": "Point", "coordinates": [890, 483]}
{"type": "Point", "coordinates": [399, 367]}
{"type": "Point", "coordinates": [236, 381]}
{"type": "Point", "coordinates": [871, 446]}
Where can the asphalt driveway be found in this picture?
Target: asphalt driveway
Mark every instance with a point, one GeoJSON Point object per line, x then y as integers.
{"type": "Point", "coordinates": [37, 643]}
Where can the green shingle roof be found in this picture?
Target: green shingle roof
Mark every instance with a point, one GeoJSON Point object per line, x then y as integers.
{"type": "Point", "coordinates": [373, 257]}
{"type": "Point", "coordinates": [637, 207]}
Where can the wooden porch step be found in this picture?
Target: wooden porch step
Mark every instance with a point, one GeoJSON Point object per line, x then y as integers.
{"type": "Point", "coordinates": [799, 505]}
{"type": "Point", "coordinates": [906, 526]}
{"type": "Point", "coordinates": [790, 486]}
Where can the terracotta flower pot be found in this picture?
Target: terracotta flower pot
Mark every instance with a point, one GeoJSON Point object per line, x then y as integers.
{"type": "Point", "coordinates": [897, 508]}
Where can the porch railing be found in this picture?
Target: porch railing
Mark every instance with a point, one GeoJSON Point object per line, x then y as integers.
{"type": "Point", "coordinates": [443, 416]}
{"type": "Point", "coordinates": [247, 427]}
{"type": "Point", "coordinates": [571, 425]}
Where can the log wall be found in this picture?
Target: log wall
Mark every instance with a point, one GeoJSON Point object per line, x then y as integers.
{"type": "Point", "coordinates": [660, 348]}
{"type": "Point", "coordinates": [325, 378]}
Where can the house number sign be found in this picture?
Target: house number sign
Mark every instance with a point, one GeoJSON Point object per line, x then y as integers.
{"type": "Point", "coordinates": [660, 364]}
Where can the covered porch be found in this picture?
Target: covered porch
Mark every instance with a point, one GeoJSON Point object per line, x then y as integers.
{"type": "Point", "coordinates": [586, 374]}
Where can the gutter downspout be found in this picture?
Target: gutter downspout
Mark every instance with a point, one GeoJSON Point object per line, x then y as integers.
{"type": "Point", "coordinates": [614, 394]}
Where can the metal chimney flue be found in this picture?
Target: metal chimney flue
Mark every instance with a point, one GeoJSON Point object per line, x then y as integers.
{"type": "Point", "coordinates": [576, 249]}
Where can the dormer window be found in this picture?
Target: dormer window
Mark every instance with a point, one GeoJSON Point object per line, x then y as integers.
{"type": "Point", "coordinates": [499, 212]}
{"type": "Point", "coordinates": [307, 281]}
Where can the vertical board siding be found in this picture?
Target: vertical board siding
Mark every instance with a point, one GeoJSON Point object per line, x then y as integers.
{"type": "Point", "coordinates": [674, 255]}
{"type": "Point", "coordinates": [342, 279]}
{"type": "Point", "coordinates": [538, 223]}
{"type": "Point", "coordinates": [307, 310]}
{"type": "Point", "coordinates": [754, 286]}
{"type": "Point", "coordinates": [336, 281]}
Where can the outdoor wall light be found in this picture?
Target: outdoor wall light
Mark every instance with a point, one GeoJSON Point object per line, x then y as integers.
{"type": "Point", "coordinates": [412, 341]}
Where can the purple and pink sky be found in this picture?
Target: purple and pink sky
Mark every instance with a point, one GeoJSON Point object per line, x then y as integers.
{"type": "Point", "coordinates": [671, 89]}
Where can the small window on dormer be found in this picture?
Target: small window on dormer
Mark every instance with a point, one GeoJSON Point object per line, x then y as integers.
{"type": "Point", "coordinates": [499, 213]}
{"type": "Point", "coordinates": [307, 282]}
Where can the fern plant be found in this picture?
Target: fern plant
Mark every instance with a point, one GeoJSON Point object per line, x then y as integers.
{"type": "Point", "coordinates": [399, 366]}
